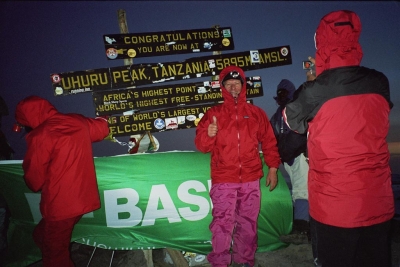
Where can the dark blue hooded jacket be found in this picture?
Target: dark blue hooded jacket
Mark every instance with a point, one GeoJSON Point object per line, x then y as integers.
{"type": "Point", "coordinates": [290, 143]}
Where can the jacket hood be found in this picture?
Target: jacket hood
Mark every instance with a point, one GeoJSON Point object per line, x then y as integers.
{"type": "Point", "coordinates": [336, 41]}
{"type": "Point", "coordinates": [225, 94]}
{"type": "Point", "coordinates": [33, 111]}
{"type": "Point", "coordinates": [288, 85]}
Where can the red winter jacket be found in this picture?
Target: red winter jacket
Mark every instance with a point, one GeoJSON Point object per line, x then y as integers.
{"type": "Point", "coordinates": [241, 128]}
{"type": "Point", "coordinates": [59, 160]}
{"type": "Point", "coordinates": [346, 114]}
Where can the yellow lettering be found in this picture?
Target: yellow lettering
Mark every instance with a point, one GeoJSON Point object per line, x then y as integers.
{"type": "Point", "coordinates": [127, 40]}
{"type": "Point", "coordinates": [185, 89]}
{"type": "Point", "coordinates": [180, 69]}
{"type": "Point", "coordinates": [180, 99]}
{"type": "Point", "coordinates": [116, 75]}
{"type": "Point", "coordinates": [171, 70]}
{"type": "Point", "coordinates": [179, 47]}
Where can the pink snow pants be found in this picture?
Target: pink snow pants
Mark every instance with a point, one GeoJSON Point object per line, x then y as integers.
{"type": "Point", "coordinates": [235, 211]}
{"type": "Point", "coordinates": [53, 238]}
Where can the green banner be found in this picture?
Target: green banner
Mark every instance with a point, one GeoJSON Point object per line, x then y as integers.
{"type": "Point", "coordinates": [148, 201]}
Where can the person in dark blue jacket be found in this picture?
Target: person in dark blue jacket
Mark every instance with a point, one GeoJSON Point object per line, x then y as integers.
{"type": "Point", "coordinates": [292, 150]}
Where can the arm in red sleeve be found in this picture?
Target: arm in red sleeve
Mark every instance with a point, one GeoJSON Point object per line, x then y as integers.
{"type": "Point", "coordinates": [203, 142]}
{"type": "Point", "coordinates": [98, 128]}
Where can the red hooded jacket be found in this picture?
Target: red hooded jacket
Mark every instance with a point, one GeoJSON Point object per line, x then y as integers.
{"type": "Point", "coordinates": [241, 128]}
{"type": "Point", "coordinates": [59, 160]}
{"type": "Point", "coordinates": [345, 111]}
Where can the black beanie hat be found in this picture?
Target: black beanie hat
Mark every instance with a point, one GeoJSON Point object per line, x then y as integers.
{"type": "Point", "coordinates": [233, 75]}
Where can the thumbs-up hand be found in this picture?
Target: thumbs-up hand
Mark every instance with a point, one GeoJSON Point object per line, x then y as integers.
{"type": "Point", "coordinates": [213, 128]}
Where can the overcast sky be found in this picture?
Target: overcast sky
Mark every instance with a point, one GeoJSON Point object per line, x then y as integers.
{"type": "Point", "coordinates": [40, 38]}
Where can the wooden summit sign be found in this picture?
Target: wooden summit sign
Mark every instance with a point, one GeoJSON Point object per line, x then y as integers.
{"type": "Point", "coordinates": [135, 45]}
{"type": "Point", "coordinates": [141, 74]}
{"type": "Point", "coordinates": [176, 118]}
{"type": "Point", "coordinates": [147, 98]}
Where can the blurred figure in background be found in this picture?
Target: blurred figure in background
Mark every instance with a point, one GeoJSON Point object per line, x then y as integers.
{"type": "Point", "coordinates": [292, 149]}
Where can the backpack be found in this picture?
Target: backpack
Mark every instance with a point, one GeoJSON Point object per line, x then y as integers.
{"type": "Point", "coordinates": [290, 143]}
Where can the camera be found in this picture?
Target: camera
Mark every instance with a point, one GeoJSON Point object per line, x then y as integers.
{"type": "Point", "coordinates": [307, 65]}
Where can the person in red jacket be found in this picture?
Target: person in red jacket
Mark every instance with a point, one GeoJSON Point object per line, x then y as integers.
{"type": "Point", "coordinates": [345, 112]}
{"type": "Point", "coordinates": [59, 164]}
{"type": "Point", "coordinates": [232, 132]}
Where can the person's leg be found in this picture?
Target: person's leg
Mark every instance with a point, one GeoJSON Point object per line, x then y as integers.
{"type": "Point", "coordinates": [245, 232]}
{"type": "Point", "coordinates": [314, 241]}
{"type": "Point", "coordinates": [298, 172]}
{"type": "Point", "coordinates": [223, 197]}
{"type": "Point", "coordinates": [374, 246]}
{"type": "Point", "coordinates": [336, 246]}
{"type": "Point", "coordinates": [38, 234]}
{"type": "Point", "coordinates": [55, 242]}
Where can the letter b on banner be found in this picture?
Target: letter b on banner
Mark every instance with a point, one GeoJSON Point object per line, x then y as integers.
{"type": "Point", "coordinates": [113, 210]}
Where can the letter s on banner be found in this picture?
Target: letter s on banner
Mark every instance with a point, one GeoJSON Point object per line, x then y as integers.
{"type": "Point", "coordinates": [201, 202]}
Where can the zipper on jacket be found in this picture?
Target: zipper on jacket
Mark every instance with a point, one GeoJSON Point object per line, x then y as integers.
{"type": "Point", "coordinates": [238, 136]}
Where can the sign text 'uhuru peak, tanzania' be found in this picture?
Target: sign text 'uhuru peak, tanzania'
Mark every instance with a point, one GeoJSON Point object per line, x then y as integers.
{"type": "Point", "coordinates": [135, 45]}
{"type": "Point", "coordinates": [141, 74]}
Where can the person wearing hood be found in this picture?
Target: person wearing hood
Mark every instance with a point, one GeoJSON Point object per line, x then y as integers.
{"type": "Point", "coordinates": [292, 149]}
{"type": "Point", "coordinates": [59, 164]}
{"type": "Point", "coordinates": [233, 132]}
{"type": "Point", "coordinates": [345, 112]}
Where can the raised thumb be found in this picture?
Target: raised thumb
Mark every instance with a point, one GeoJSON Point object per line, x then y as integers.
{"type": "Point", "coordinates": [214, 120]}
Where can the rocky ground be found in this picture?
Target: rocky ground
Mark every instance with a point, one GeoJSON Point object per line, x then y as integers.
{"type": "Point", "coordinates": [292, 256]}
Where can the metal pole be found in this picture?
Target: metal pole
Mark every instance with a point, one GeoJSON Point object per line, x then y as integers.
{"type": "Point", "coordinates": [91, 256]}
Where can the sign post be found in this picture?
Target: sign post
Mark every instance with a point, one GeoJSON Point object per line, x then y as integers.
{"type": "Point", "coordinates": [123, 27]}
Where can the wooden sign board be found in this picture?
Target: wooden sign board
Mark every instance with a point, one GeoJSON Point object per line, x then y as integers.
{"type": "Point", "coordinates": [136, 45]}
{"type": "Point", "coordinates": [143, 74]}
{"type": "Point", "coordinates": [158, 120]}
{"type": "Point", "coordinates": [147, 98]}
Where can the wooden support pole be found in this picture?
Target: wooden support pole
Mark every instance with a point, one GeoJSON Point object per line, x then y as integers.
{"type": "Point", "coordinates": [123, 28]}
{"type": "Point", "coordinates": [216, 77]}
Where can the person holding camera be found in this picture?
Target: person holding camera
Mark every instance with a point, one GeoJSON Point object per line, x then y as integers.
{"type": "Point", "coordinates": [345, 112]}
{"type": "Point", "coordinates": [233, 132]}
